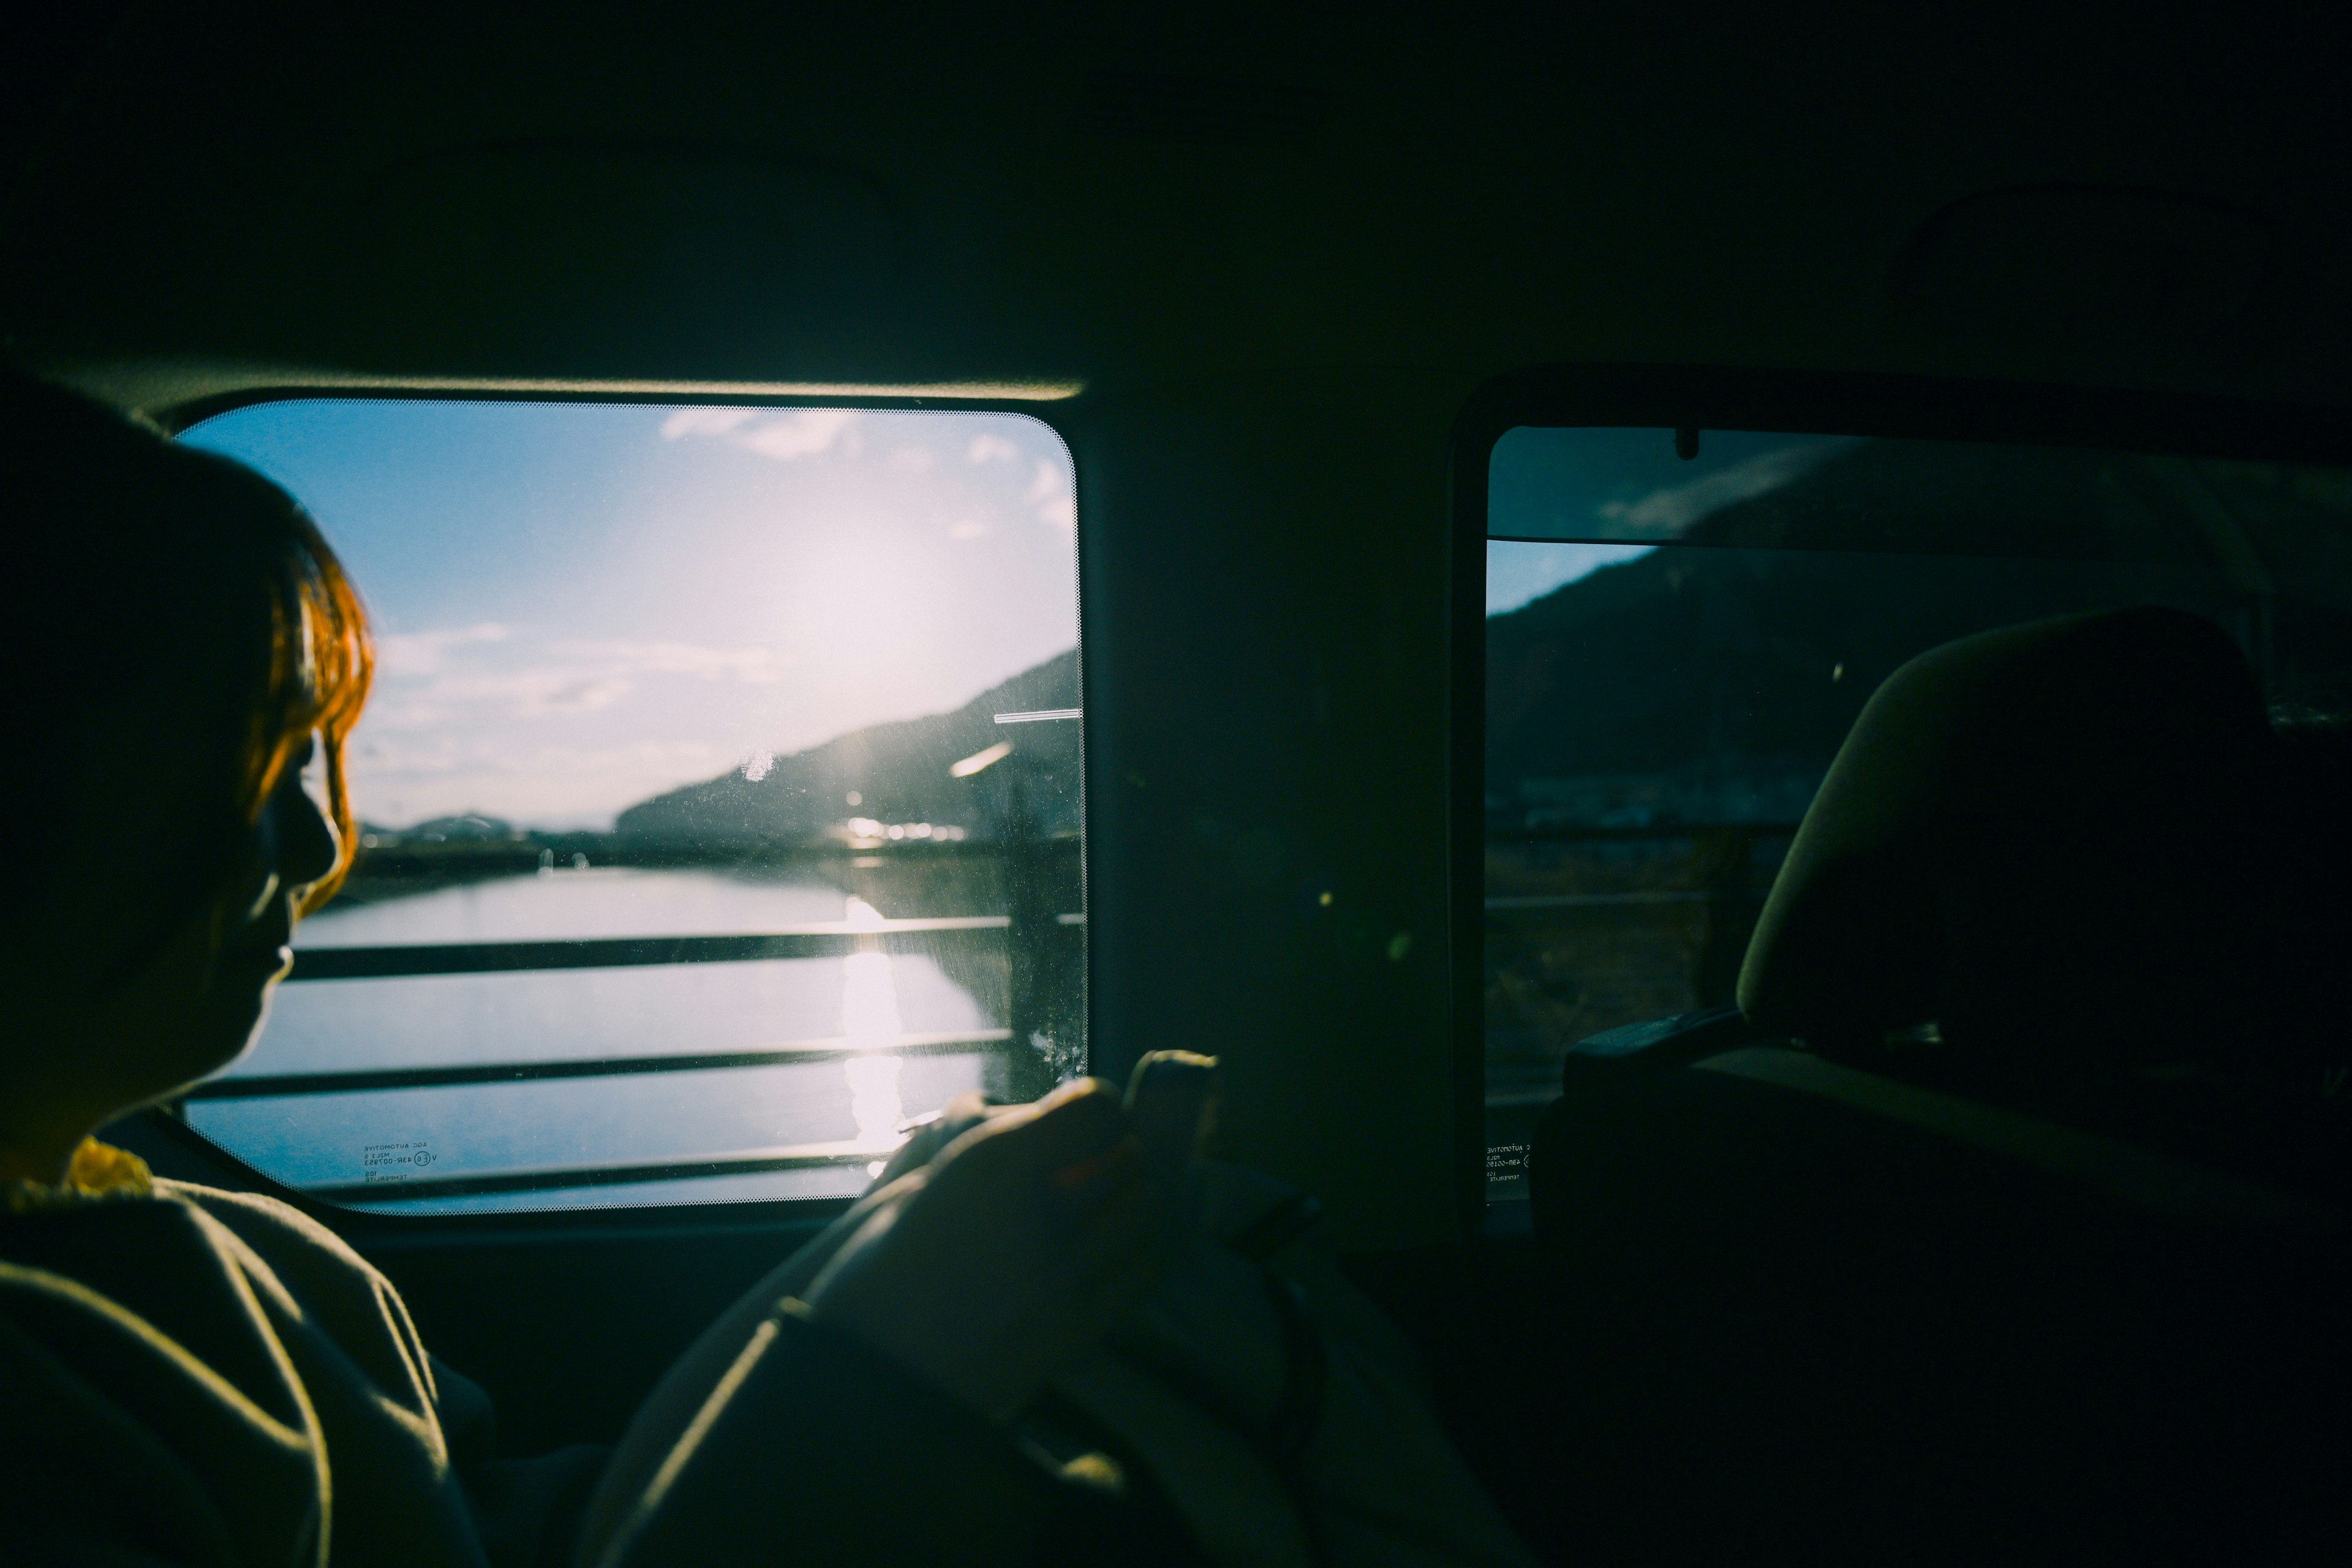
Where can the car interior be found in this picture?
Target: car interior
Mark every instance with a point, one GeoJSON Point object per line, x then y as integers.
{"type": "Point", "coordinates": [1708, 650]}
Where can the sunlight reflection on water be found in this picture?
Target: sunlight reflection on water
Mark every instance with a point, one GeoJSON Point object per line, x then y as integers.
{"type": "Point", "coordinates": [873, 1001]}
{"type": "Point", "coordinates": [869, 1016]}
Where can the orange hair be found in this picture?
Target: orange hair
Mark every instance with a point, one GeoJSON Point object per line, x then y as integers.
{"type": "Point", "coordinates": [142, 570]}
{"type": "Point", "coordinates": [321, 662]}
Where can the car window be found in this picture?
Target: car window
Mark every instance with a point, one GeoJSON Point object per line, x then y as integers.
{"type": "Point", "coordinates": [720, 800]}
{"type": "Point", "coordinates": [1681, 625]}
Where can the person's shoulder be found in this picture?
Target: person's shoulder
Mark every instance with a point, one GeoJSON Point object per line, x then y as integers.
{"type": "Point", "coordinates": [98, 1237]}
{"type": "Point", "coordinates": [269, 1226]}
{"type": "Point", "coordinates": [161, 1249]}
{"type": "Point", "coordinates": [341, 1294]}
{"type": "Point", "coordinates": [144, 1420]}
{"type": "Point", "coordinates": [244, 1208]}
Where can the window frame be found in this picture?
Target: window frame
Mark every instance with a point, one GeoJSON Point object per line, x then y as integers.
{"type": "Point", "coordinates": [162, 1129]}
{"type": "Point", "coordinates": [1795, 401]}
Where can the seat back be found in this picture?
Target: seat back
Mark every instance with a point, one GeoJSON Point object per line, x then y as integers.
{"type": "Point", "coordinates": [1932, 1260]}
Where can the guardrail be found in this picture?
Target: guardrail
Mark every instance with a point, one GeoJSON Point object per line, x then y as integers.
{"type": "Point", "coordinates": [793, 1053]}
{"type": "Point", "coordinates": [831, 939]}
{"type": "Point", "coordinates": [1027, 930]}
{"type": "Point", "coordinates": [543, 1178]}
{"type": "Point", "coordinates": [1037, 938]}
{"type": "Point", "coordinates": [1722, 881]}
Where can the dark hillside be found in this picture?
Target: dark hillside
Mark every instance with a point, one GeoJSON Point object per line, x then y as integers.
{"type": "Point", "coordinates": [899, 772]}
{"type": "Point", "coordinates": [1686, 703]}
{"type": "Point", "coordinates": [1712, 682]}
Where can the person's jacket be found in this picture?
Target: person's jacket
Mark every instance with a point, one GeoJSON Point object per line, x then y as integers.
{"type": "Point", "coordinates": [190, 1377]}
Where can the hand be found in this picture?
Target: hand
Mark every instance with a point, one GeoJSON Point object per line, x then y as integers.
{"type": "Point", "coordinates": [958, 1117]}
{"type": "Point", "coordinates": [1015, 1249]}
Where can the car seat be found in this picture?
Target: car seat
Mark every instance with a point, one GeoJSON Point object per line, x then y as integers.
{"type": "Point", "coordinates": [1999, 1221]}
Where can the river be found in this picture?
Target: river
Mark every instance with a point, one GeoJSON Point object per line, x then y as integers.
{"type": "Point", "coordinates": [391, 1136]}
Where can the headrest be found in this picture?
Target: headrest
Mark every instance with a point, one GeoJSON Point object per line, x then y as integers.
{"type": "Point", "coordinates": [2037, 839]}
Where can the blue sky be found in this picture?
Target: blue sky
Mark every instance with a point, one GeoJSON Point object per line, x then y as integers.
{"type": "Point", "coordinates": [1518, 573]}
{"type": "Point", "coordinates": [1576, 499]}
{"type": "Point", "coordinates": [578, 605]}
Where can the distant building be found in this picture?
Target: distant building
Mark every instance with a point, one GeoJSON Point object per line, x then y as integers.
{"type": "Point", "coordinates": [468, 829]}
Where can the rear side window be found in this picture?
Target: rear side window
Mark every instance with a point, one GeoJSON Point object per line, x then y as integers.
{"type": "Point", "coordinates": [1681, 626]}
{"type": "Point", "coordinates": [721, 801]}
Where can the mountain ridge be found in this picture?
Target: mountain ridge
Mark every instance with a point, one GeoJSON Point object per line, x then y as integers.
{"type": "Point", "coordinates": [900, 772]}
{"type": "Point", "coordinates": [1713, 679]}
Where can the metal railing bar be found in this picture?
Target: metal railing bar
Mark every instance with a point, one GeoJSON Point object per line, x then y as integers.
{"type": "Point", "coordinates": [1515, 1098]}
{"type": "Point", "coordinates": [1599, 900]}
{"type": "Point", "coordinates": [1580, 833]}
{"type": "Point", "coordinates": [833, 939]}
{"type": "Point", "coordinates": [273, 1086]}
{"type": "Point", "coordinates": [548, 1178]}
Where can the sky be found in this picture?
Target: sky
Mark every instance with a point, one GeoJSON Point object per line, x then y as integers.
{"type": "Point", "coordinates": [1572, 501]}
{"type": "Point", "coordinates": [1519, 573]}
{"type": "Point", "coordinates": [578, 605]}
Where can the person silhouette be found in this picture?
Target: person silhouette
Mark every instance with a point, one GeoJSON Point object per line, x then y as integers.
{"type": "Point", "coordinates": [202, 1376]}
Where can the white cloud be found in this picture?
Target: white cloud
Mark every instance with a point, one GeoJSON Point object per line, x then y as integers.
{"type": "Point", "coordinates": [546, 787]}
{"type": "Point", "coordinates": [533, 692]}
{"type": "Point", "coordinates": [1046, 485]}
{"type": "Point", "coordinates": [913, 459]}
{"type": "Point", "coordinates": [990, 448]}
{"type": "Point", "coordinates": [373, 752]}
{"type": "Point", "coordinates": [793, 436]}
{"type": "Point", "coordinates": [1669, 512]}
{"type": "Point", "coordinates": [704, 422]}
{"type": "Point", "coordinates": [1051, 496]}
{"type": "Point", "coordinates": [386, 711]}
{"type": "Point", "coordinates": [429, 681]}
{"type": "Point", "coordinates": [752, 666]}
{"type": "Point", "coordinates": [427, 653]}
{"type": "Point", "coordinates": [785, 435]}
{"type": "Point", "coordinates": [967, 528]}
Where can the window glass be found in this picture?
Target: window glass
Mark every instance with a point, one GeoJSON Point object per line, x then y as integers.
{"type": "Point", "coordinates": [1681, 625]}
{"type": "Point", "coordinates": [720, 800]}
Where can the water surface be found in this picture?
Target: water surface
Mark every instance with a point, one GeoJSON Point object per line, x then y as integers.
{"type": "Point", "coordinates": [386, 1136]}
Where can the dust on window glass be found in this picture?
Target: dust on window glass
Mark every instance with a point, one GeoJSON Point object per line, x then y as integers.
{"type": "Point", "coordinates": [1681, 625]}
{"type": "Point", "coordinates": [720, 800]}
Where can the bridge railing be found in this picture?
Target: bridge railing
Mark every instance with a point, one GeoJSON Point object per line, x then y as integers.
{"type": "Point", "coordinates": [1043, 947]}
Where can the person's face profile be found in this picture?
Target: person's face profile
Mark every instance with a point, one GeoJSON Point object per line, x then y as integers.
{"type": "Point", "coordinates": [291, 845]}
{"type": "Point", "coordinates": [189, 1005]}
